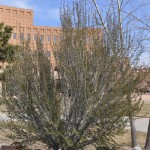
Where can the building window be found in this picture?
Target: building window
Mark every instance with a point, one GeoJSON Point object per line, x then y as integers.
{"type": "Point", "coordinates": [21, 12]}
{"type": "Point", "coordinates": [35, 37]}
{"type": "Point", "coordinates": [14, 12]}
{"type": "Point", "coordinates": [55, 38]}
{"type": "Point", "coordinates": [14, 35]}
{"type": "Point", "coordinates": [8, 11]}
{"type": "Point", "coordinates": [48, 54]}
{"type": "Point", "coordinates": [48, 38]}
{"type": "Point", "coordinates": [21, 37]}
{"type": "Point", "coordinates": [28, 37]}
{"type": "Point", "coordinates": [28, 13]}
{"type": "Point", "coordinates": [42, 37]}
{"type": "Point", "coordinates": [1, 10]}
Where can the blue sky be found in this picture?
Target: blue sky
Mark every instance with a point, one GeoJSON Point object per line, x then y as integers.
{"type": "Point", "coordinates": [46, 12]}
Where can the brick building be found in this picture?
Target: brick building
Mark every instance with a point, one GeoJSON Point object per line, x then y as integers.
{"type": "Point", "coordinates": [23, 28]}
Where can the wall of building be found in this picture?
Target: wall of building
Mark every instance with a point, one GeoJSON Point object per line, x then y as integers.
{"type": "Point", "coordinates": [23, 29]}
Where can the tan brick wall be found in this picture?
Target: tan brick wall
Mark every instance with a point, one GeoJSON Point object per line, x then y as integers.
{"type": "Point", "coordinates": [22, 22]}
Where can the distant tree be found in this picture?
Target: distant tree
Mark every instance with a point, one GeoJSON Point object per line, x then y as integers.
{"type": "Point", "coordinates": [95, 74]}
{"type": "Point", "coordinates": [6, 50]}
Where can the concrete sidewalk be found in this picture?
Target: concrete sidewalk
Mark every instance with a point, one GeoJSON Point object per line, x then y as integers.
{"type": "Point", "coordinates": [141, 124]}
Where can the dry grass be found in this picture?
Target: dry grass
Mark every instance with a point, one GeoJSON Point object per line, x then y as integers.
{"type": "Point", "coordinates": [145, 111]}
{"type": "Point", "coordinates": [2, 108]}
{"type": "Point", "coordinates": [125, 139]}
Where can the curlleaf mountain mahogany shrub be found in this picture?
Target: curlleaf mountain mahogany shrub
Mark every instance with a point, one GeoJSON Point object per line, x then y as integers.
{"type": "Point", "coordinates": [95, 75]}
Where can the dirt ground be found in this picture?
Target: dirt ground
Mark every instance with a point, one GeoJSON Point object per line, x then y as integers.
{"type": "Point", "coordinates": [123, 139]}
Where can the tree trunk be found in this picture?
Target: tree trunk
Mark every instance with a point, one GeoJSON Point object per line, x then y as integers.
{"type": "Point", "coordinates": [133, 131]}
{"type": "Point", "coordinates": [0, 88]}
{"type": "Point", "coordinates": [55, 147]}
{"type": "Point", "coordinates": [132, 123]}
{"type": "Point", "coordinates": [147, 144]}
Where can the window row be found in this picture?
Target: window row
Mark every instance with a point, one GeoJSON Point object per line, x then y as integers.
{"type": "Point", "coordinates": [14, 11]}
{"type": "Point", "coordinates": [35, 37]}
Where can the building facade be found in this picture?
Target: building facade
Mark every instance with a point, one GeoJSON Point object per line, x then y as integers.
{"type": "Point", "coordinates": [24, 29]}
